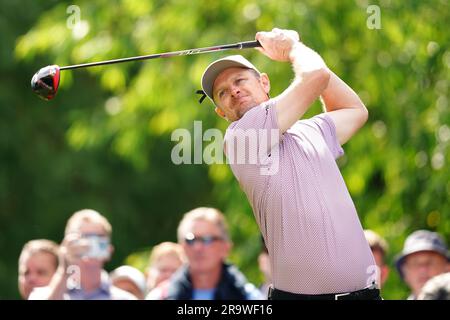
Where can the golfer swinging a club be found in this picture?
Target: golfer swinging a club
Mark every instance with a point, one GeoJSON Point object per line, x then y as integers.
{"type": "Point", "coordinates": [305, 213]}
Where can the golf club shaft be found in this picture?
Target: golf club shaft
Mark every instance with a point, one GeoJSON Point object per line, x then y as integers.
{"type": "Point", "coordinates": [239, 45]}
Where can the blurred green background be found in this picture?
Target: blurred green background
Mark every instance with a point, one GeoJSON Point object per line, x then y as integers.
{"type": "Point", "coordinates": [105, 142]}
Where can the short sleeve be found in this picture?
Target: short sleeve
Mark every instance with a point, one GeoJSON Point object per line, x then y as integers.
{"type": "Point", "coordinates": [325, 125]}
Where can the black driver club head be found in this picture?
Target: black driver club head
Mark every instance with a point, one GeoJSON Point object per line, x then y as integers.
{"type": "Point", "coordinates": [45, 82]}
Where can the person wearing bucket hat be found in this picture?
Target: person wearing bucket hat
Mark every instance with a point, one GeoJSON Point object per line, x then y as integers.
{"type": "Point", "coordinates": [424, 256]}
{"type": "Point", "coordinates": [287, 168]}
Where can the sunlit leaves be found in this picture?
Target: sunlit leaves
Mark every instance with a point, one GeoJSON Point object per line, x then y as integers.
{"type": "Point", "coordinates": [396, 168]}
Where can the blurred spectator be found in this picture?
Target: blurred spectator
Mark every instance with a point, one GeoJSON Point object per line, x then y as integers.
{"type": "Point", "coordinates": [37, 264]}
{"type": "Point", "coordinates": [437, 288]}
{"type": "Point", "coordinates": [164, 260]}
{"type": "Point", "coordinates": [129, 279]}
{"type": "Point", "coordinates": [424, 256]}
{"type": "Point", "coordinates": [85, 249]}
{"type": "Point", "coordinates": [264, 267]}
{"type": "Point", "coordinates": [204, 236]}
{"type": "Point", "coordinates": [379, 248]}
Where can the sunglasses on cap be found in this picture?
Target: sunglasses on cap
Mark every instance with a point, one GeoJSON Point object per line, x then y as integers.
{"type": "Point", "coordinates": [206, 240]}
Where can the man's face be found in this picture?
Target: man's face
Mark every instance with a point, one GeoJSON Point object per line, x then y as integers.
{"type": "Point", "coordinates": [237, 90]}
{"type": "Point", "coordinates": [205, 257]}
{"type": "Point", "coordinates": [36, 271]}
{"type": "Point", "coordinates": [419, 267]}
{"type": "Point", "coordinates": [163, 269]}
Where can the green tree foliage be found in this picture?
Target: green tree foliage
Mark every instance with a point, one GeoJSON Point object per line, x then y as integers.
{"type": "Point", "coordinates": [105, 142]}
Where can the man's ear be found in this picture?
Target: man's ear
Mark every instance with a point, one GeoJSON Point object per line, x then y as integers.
{"type": "Point", "coordinates": [220, 113]}
{"type": "Point", "coordinates": [265, 82]}
{"type": "Point", "coordinates": [227, 246]}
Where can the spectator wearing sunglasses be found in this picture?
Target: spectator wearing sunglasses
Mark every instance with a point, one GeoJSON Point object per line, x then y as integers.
{"type": "Point", "coordinates": [203, 233]}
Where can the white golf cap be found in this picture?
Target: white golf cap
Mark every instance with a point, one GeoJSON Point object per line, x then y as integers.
{"type": "Point", "coordinates": [215, 68]}
{"type": "Point", "coordinates": [132, 274]}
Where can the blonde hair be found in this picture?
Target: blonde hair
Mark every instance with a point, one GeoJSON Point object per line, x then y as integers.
{"type": "Point", "coordinates": [166, 249]}
{"type": "Point", "coordinates": [87, 215]}
{"type": "Point", "coordinates": [37, 246]}
{"type": "Point", "coordinates": [212, 215]}
{"type": "Point", "coordinates": [376, 242]}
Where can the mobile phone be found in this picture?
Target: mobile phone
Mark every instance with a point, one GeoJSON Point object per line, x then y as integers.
{"type": "Point", "coordinates": [98, 247]}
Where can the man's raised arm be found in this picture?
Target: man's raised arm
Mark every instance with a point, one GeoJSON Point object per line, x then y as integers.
{"type": "Point", "coordinates": [344, 106]}
{"type": "Point", "coordinates": [311, 74]}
